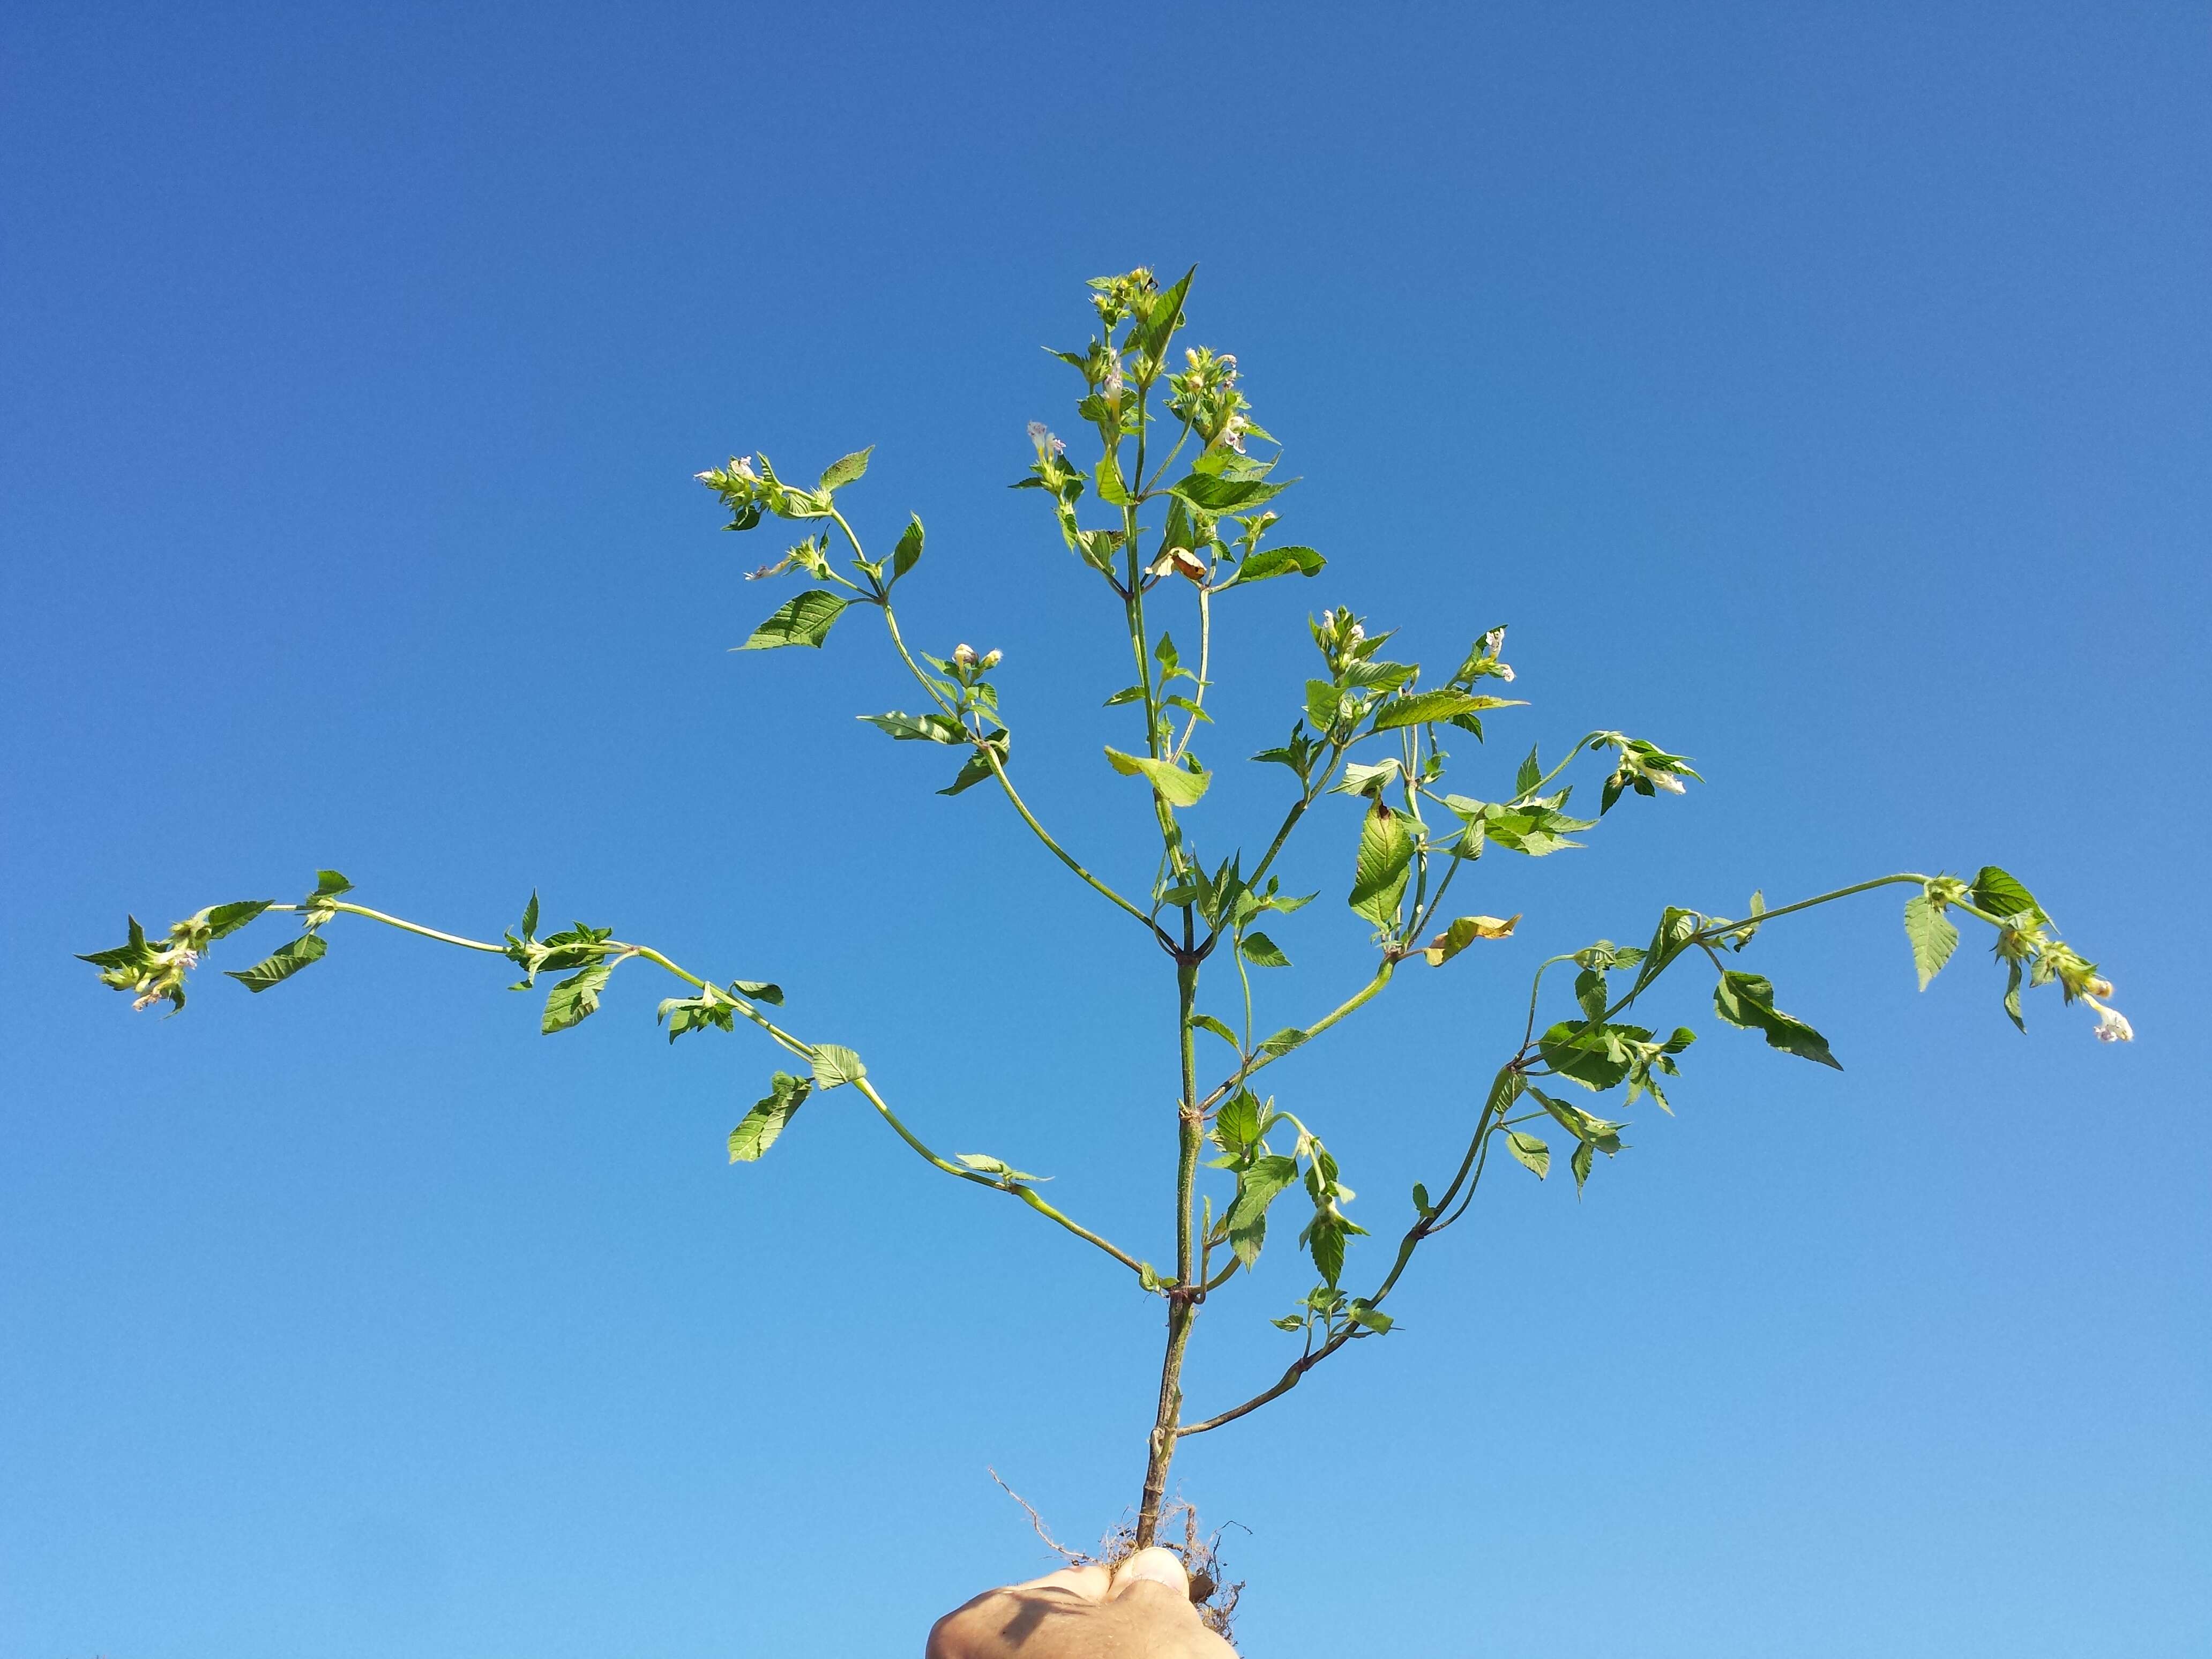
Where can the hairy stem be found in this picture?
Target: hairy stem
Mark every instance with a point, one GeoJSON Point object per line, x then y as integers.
{"type": "Point", "coordinates": [1182, 1296]}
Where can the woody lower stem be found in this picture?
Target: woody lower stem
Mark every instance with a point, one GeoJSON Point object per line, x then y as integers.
{"type": "Point", "coordinates": [1182, 1299]}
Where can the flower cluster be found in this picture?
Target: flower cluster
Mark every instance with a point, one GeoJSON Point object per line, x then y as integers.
{"type": "Point", "coordinates": [1204, 394]}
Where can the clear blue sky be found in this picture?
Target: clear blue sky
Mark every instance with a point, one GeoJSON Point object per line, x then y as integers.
{"type": "Point", "coordinates": [1822, 391]}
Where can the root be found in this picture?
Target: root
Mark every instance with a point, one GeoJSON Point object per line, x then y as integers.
{"type": "Point", "coordinates": [1214, 1598]}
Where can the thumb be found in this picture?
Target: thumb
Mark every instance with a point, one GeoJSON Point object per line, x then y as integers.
{"type": "Point", "coordinates": [1152, 1566]}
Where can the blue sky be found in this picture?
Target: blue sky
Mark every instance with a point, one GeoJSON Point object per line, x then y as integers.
{"type": "Point", "coordinates": [1821, 390]}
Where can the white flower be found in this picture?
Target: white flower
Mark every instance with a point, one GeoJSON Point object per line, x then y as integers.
{"type": "Point", "coordinates": [1505, 671]}
{"type": "Point", "coordinates": [2112, 1025]}
{"type": "Point", "coordinates": [1038, 433]}
{"type": "Point", "coordinates": [1668, 781]}
{"type": "Point", "coordinates": [1112, 384]}
{"type": "Point", "coordinates": [1059, 445]}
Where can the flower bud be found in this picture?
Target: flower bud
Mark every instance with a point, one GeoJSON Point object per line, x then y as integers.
{"type": "Point", "coordinates": [992, 659]}
{"type": "Point", "coordinates": [964, 655]}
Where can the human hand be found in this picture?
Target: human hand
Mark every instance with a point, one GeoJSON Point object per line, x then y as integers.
{"type": "Point", "coordinates": [1139, 1610]}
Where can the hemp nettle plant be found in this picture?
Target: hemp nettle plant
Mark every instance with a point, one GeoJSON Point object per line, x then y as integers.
{"type": "Point", "coordinates": [1184, 522]}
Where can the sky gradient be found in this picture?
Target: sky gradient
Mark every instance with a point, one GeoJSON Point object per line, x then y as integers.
{"type": "Point", "coordinates": [1821, 392]}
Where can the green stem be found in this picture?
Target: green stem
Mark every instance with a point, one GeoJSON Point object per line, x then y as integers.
{"type": "Point", "coordinates": [794, 1045]}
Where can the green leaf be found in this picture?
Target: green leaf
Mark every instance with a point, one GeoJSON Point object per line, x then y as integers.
{"type": "Point", "coordinates": [835, 1064]}
{"type": "Point", "coordinates": [845, 470]}
{"type": "Point", "coordinates": [1533, 1153]}
{"type": "Point", "coordinates": [908, 553]}
{"type": "Point", "coordinates": [977, 767]}
{"type": "Point", "coordinates": [932, 727]}
{"type": "Point", "coordinates": [1236, 1125]}
{"type": "Point", "coordinates": [1263, 952]}
{"type": "Point", "coordinates": [1421, 1204]}
{"type": "Point", "coordinates": [1256, 1189]}
{"type": "Point", "coordinates": [803, 619]}
{"type": "Point", "coordinates": [1283, 1042]}
{"type": "Point", "coordinates": [1596, 1056]}
{"type": "Point", "coordinates": [576, 998]}
{"type": "Point", "coordinates": [530, 916]}
{"type": "Point", "coordinates": [1151, 337]}
{"type": "Point", "coordinates": [1324, 1241]}
{"type": "Point", "coordinates": [762, 1125]}
{"type": "Point", "coordinates": [1323, 702]}
{"type": "Point", "coordinates": [1585, 1154]}
{"type": "Point", "coordinates": [1176, 786]}
{"type": "Point", "coordinates": [1127, 694]}
{"type": "Point", "coordinates": [2011, 996]}
{"type": "Point", "coordinates": [1212, 494]}
{"type": "Point", "coordinates": [1278, 562]}
{"type": "Point", "coordinates": [1373, 1318]}
{"type": "Point", "coordinates": [2001, 895]}
{"type": "Point", "coordinates": [224, 919]}
{"type": "Point", "coordinates": [1386, 853]}
{"type": "Point", "coordinates": [329, 885]}
{"type": "Point", "coordinates": [1425, 707]}
{"type": "Point", "coordinates": [280, 964]}
{"type": "Point", "coordinates": [1111, 490]}
{"type": "Point", "coordinates": [984, 1164]}
{"type": "Point", "coordinates": [1748, 1000]}
{"type": "Point", "coordinates": [1531, 775]}
{"type": "Point", "coordinates": [1208, 1023]}
{"type": "Point", "coordinates": [1933, 935]}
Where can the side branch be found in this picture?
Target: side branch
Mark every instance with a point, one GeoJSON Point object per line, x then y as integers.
{"type": "Point", "coordinates": [618, 951]}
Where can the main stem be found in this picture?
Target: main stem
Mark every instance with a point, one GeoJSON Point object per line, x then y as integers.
{"type": "Point", "coordinates": [1183, 1295]}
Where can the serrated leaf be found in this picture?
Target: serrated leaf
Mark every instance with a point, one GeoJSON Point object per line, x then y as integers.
{"type": "Point", "coordinates": [1263, 952]}
{"type": "Point", "coordinates": [576, 998]}
{"type": "Point", "coordinates": [1236, 1125]}
{"type": "Point", "coordinates": [2001, 895]}
{"type": "Point", "coordinates": [1597, 1057]}
{"type": "Point", "coordinates": [1212, 494]}
{"type": "Point", "coordinates": [1463, 932]}
{"type": "Point", "coordinates": [2011, 996]}
{"type": "Point", "coordinates": [530, 916]}
{"type": "Point", "coordinates": [224, 919]}
{"type": "Point", "coordinates": [908, 553]}
{"type": "Point", "coordinates": [1373, 1318]}
{"type": "Point", "coordinates": [1748, 1000]}
{"type": "Point", "coordinates": [1283, 1042]}
{"type": "Point", "coordinates": [1256, 1189]}
{"type": "Point", "coordinates": [1208, 1023]}
{"type": "Point", "coordinates": [280, 964]}
{"type": "Point", "coordinates": [1325, 1242]}
{"type": "Point", "coordinates": [1278, 562]}
{"type": "Point", "coordinates": [1106, 476]}
{"type": "Point", "coordinates": [803, 619]}
{"type": "Point", "coordinates": [931, 727]}
{"type": "Point", "coordinates": [977, 767]}
{"type": "Point", "coordinates": [1533, 1153]}
{"type": "Point", "coordinates": [845, 469]}
{"type": "Point", "coordinates": [1378, 877]}
{"type": "Point", "coordinates": [1583, 1157]}
{"type": "Point", "coordinates": [1176, 786]}
{"type": "Point", "coordinates": [1528, 776]}
{"type": "Point", "coordinates": [1424, 707]}
{"type": "Point", "coordinates": [1933, 935]}
{"type": "Point", "coordinates": [329, 885]}
{"type": "Point", "coordinates": [1150, 337]}
{"type": "Point", "coordinates": [835, 1064]}
{"type": "Point", "coordinates": [1323, 701]}
{"type": "Point", "coordinates": [768, 1119]}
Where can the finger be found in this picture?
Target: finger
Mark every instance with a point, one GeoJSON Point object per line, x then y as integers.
{"type": "Point", "coordinates": [1153, 1566]}
{"type": "Point", "coordinates": [1090, 1582]}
